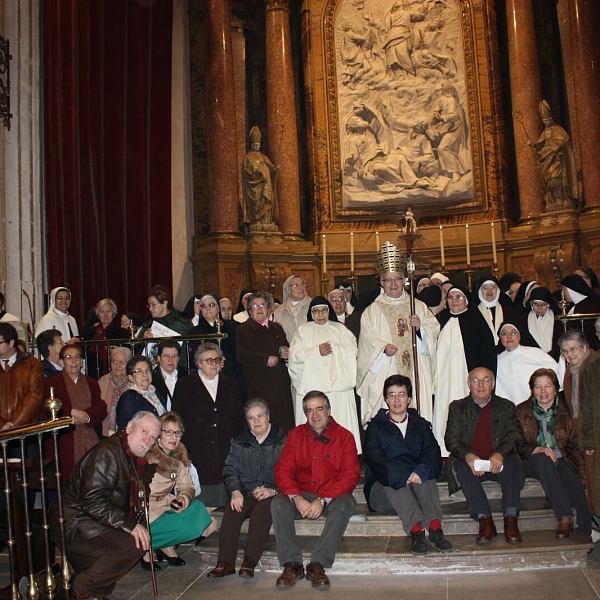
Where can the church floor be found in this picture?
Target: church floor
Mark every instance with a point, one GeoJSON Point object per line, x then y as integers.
{"type": "Point", "coordinates": [190, 583]}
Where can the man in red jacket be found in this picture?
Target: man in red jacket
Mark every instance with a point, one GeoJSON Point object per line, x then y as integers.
{"type": "Point", "coordinates": [316, 474]}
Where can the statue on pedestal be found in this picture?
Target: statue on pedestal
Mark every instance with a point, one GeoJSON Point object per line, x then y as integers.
{"type": "Point", "coordinates": [556, 162]}
{"type": "Point", "coordinates": [259, 178]}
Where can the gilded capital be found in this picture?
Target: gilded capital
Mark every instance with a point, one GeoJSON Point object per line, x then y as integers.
{"type": "Point", "coordinates": [277, 5]}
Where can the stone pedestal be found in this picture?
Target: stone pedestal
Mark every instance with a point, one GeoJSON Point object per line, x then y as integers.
{"type": "Point", "coordinates": [526, 93]}
{"type": "Point", "coordinates": [223, 191]}
{"type": "Point", "coordinates": [281, 113]}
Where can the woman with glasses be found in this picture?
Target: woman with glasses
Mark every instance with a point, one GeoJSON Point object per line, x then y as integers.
{"type": "Point", "coordinates": [551, 453]}
{"type": "Point", "coordinates": [250, 482]}
{"type": "Point", "coordinates": [262, 349]}
{"type": "Point", "coordinates": [323, 357]}
{"type": "Point", "coordinates": [292, 311]}
{"type": "Point", "coordinates": [80, 396]}
{"type": "Point", "coordinates": [112, 385]}
{"type": "Point", "coordinates": [541, 323]}
{"type": "Point", "coordinates": [175, 516]}
{"type": "Point", "coordinates": [210, 405]}
{"type": "Point", "coordinates": [141, 394]}
{"type": "Point", "coordinates": [209, 313]}
{"type": "Point", "coordinates": [465, 342]}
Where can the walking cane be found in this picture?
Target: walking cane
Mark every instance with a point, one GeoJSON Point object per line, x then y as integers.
{"type": "Point", "coordinates": [144, 498]}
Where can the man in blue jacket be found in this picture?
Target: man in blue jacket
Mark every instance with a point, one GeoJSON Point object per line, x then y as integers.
{"type": "Point", "coordinates": [404, 460]}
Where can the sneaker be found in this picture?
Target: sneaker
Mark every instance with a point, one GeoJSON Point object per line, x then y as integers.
{"type": "Point", "coordinates": [418, 544]}
{"type": "Point", "coordinates": [439, 540]}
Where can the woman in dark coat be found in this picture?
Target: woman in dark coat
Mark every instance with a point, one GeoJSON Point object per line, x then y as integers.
{"type": "Point", "coordinates": [210, 404]}
{"type": "Point", "coordinates": [259, 344]}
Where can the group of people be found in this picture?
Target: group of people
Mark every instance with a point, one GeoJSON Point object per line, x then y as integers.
{"type": "Point", "coordinates": [277, 414]}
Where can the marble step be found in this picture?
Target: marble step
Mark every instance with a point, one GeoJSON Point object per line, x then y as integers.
{"type": "Point", "coordinates": [386, 555]}
{"type": "Point", "coordinates": [536, 515]}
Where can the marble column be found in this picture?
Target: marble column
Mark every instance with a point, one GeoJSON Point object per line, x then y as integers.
{"type": "Point", "coordinates": [281, 114]}
{"type": "Point", "coordinates": [22, 270]}
{"type": "Point", "coordinates": [223, 192]}
{"type": "Point", "coordinates": [526, 93]}
{"type": "Point", "coordinates": [584, 21]}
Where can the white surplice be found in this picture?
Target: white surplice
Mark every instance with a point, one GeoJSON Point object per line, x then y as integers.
{"type": "Point", "coordinates": [374, 367]}
{"type": "Point", "coordinates": [334, 375]}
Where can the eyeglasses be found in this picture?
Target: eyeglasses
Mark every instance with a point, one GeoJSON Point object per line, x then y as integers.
{"type": "Point", "coordinates": [571, 350]}
{"type": "Point", "coordinates": [536, 304]}
{"type": "Point", "coordinates": [257, 417]}
{"type": "Point", "coordinates": [320, 311]}
{"type": "Point", "coordinates": [456, 298]}
{"type": "Point", "coordinates": [151, 304]}
{"type": "Point", "coordinates": [72, 357]}
{"type": "Point", "coordinates": [118, 362]}
{"type": "Point", "coordinates": [255, 306]}
{"type": "Point", "coordinates": [172, 432]}
{"type": "Point", "coordinates": [489, 288]}
{"type": "Point", "coordinates": [143, 371]}
{"type": "Point", "coordinates": [297, 285]}
{"type": "Point", "coordinates": [512, 333]}
{"type": "Point", "coordinates": [485, 380]}
{"type": "Point", "coordinates": [397, 395]}
{"type": "Point", "coordinates": [170, 356]}
{"type": "Point", "coordinates": [209, 305]}
{"type": "Point", "coordinates": [212, 361]}
{"type": "Point", "coordinates": [392, 279]}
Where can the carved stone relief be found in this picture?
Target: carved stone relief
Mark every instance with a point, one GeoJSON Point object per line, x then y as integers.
{"type": "Point", "coordinates": [402, 104]}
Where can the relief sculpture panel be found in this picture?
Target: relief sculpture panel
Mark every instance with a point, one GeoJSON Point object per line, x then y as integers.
{"type": "Point", "coordinates": [403, 105]}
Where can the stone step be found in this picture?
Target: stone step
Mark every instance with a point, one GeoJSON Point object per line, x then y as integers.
{"type": "Point", "coordinates": [386, 555]}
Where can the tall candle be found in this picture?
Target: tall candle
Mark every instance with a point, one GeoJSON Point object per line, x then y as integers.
{"type": "Point", "coordinates": [351, 252]}
{"type": "Point", "coordinates": [324, 254]}
{"type": "Point", "coordinates": [377, 246]}
{"type": "Point", "coordinates": [494, 244]}
{"type": "Point", "coordinates": [442, 247]}
{"type": "Point", "coordinates": [468, 245]}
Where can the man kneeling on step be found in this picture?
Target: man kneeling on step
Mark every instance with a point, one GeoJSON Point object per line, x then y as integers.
{"type": "Point", "coordinates": [316, 474]}
{"type": "Point", "coordinates": [404, 461]}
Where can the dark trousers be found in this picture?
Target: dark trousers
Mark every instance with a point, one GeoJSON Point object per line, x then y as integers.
{"type": "Point", "coordinates": [563, 486]}
{"type": "Point", "coordinates": [511, 480]}
{"type": "Point", "coordinates": [259, 514]}
{"type": "Point", "coordinates": [337, 513]}
{"type": "Point", "coordinates": [101, 561]}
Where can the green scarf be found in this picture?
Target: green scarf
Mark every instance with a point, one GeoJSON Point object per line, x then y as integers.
{"type": "Point", "coordinates": [546, 419]}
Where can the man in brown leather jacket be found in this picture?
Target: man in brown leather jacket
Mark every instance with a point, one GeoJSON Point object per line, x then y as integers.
{"type": "Point", "coordinates": [104, 537]}
{"type": "Point", "coordinates": [21, 382]}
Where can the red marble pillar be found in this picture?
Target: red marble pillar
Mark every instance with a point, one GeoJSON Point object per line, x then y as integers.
{"type": "Point", "coordinates": [584, 21]}
{"type": "Point", "coordinates": [281, 116]}
{"type": "Point", "coordinates": [221, 142]}
{"type": "Point", "coordinates": [526, 93]}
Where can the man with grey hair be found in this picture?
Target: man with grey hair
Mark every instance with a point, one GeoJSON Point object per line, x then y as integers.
{"type": "Point", "coordinates": [312, 485]}
{"type": "Point", "coordinates": [101, 503]}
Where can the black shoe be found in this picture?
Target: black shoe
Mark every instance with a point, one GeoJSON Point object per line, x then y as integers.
{"type": "Point", "coordinates": [146, 565]}
{"type": "Point", "coordinates": [418, 544]}
{"type": "Point", "coordinates": [174, 561]}
{"type": "Point", "coordinates": [439, 540]}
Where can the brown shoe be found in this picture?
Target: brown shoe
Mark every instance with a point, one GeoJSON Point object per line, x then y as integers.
{"type": "Point", "coordinates": [222, 570]}
{"type": "Point", "coordinates": [511, 530]}
{"type": "Point", "coordinates": [487, 530]}
{"type": "Point", "coordinates": [563, 531]}
{"type": "Point", "coordinates": [316, 575]}
{"type": "Point", "coordinates": [247, 568]}
{"type": "Point", "coordinates": [291, 574]}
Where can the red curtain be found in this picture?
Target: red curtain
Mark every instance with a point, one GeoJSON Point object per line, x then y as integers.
{"type": "Point", "coordinates": [107, 149]}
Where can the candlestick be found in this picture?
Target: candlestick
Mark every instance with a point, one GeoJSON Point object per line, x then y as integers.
{"type": "Point", "coordinates": [442, 247]}
{"type": "Point", "coordinates": [324, 254]}
{"type": "Point", "coordinates": [494, 244]}
{"type": "Point", "coordinates": [352, 252]}
{"type": "Point", "coordinates": [377, 246]}
{"type": "Point", "coordinates": [468, 245]}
